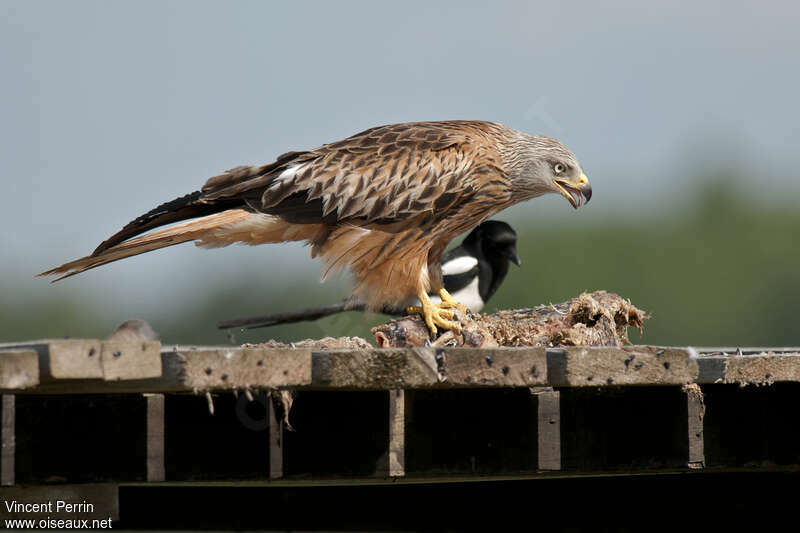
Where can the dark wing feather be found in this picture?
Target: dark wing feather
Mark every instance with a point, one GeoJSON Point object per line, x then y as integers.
{"type": "Point", "coordinates": [182, 208]}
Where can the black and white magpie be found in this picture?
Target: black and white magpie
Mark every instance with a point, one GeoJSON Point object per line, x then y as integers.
{"type": "Point", "coordinates": [472, 273]}
{"type": "Point", "coordinates": [474, 270]}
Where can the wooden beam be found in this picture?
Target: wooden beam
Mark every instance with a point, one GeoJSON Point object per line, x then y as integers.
{"type": "Point", "coordinates": [137, 359]}
{"type": "Point", "coordinates": [8, 440]}
{"type": "Point", "coordinates": [631, 365]}
{"type": "Point", "coordinates": [275, 440]}
{"type": "Point", "coordinates": [397, 433]}
{"type": "Point", "coordinates": [19, 369]}
{"type": "Point", "coordinates": [393, 368]}
{"type": "Point", "coordinates": [762, 369]}
{"type": "Point", "coordinates": [155, 438]}
{"type": "Point", "coordinates": [66, 358]}
{"type": "Point", "coordinates": [378, 368]}
{"type": "Point", "coordinates": [242, 368]}
{"type": "Point", "coordinates": [495, 367]}
{"type": "Point", "coordinates": [193, 369]}
{"type": "Point", "coordinates": [94, 359]}
{"type": "Point", "coordinates": [548, 427]}
{"type": "Point", "coordinates": [696, 411]}
{"type": "Point", "coordinates": [751, 366]}
{"type": "Point", "coordinates": [71, 367]}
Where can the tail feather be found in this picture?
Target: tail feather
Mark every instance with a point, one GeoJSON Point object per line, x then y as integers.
{"type": "Point", "coordinates": [183, 208]}
{"type": "Point", "coordinates": [180, 233]}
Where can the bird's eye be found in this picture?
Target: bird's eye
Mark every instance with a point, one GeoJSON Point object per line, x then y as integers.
{"type": "Point", "coordinates": [559, 168]}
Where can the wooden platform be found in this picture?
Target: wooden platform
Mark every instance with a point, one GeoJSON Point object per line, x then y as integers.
{"type": "Point", "coordinates": [90, 415]}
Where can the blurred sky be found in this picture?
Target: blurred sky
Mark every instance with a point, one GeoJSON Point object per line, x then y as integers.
{"type": "Point", "coordinates": [110, 108]}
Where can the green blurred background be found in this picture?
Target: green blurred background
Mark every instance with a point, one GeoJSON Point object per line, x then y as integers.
{"type": "Point", "coordinates": [683, 114]}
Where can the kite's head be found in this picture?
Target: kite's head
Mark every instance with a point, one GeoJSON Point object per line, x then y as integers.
{"type": "Point", "coordinates": [539, 165]}
{"type": "Point", "coordinates": [577, 191]}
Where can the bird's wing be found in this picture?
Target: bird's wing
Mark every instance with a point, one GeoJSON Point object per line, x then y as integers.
{"type": "Point", "coordinates": [386, 176]}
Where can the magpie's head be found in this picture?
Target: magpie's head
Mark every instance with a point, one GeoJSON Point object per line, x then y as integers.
{"type": "Point", "coordinates": [498, 240]}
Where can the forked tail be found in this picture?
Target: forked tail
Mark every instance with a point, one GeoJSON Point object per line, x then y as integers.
{"type": "Point", "coordinates": [196, 229]}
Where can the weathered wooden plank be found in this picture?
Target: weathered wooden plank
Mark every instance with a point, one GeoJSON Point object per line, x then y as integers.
{"type": "Point", "coordinates": [243, 368]}
{"type": "Point", "coordinates": [696, 411]}
{"type": "Point", "coordinates": [73, 358]}
{"type": "Point", "coordinates": [275, 440]}
{"type": "Point", "coordinates": [19, 369]}
{"type": "Point", "coordinates": [8, 441]}
{"type": "Point", "coordinates": [379, 368]}
{"type": "Point", "coordinates": [65, 358]}
{"type": "Point", "coordinates": [155, 437]}
{"type": "Point", "coordinates": [94, 359]}
{"type": "Point", "coordinates": [549, 428]}
{"type": "Point", "coordinates": [747, 367]}
{"type": "Point", "coordinates": [394, 368]}
{"type": "Point", "coordinates": [631, 365]}
{"type": "Point", "coordinates": [751, 350]}
{"type": "Point", "coordinates": [762, 369]}
{"type": "Point", "coordinates": [137, 359]}
{"type": "Point", "coordinates": [184, 369]}
{"type": "Point", "coordinates": [397, 433]}
{"type": "Point", "coordinates": [104, 500]}
{"type": "Point", "coordinates": [495, 367]}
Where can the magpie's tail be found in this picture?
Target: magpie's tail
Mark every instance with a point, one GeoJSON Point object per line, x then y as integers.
{"type": "Point", "coordinates": [290, 317]}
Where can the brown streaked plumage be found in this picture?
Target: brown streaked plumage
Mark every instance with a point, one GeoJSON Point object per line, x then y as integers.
{"type": "Point", "coordinates": [384, 203]}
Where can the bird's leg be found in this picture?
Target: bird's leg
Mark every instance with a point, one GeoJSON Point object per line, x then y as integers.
{"type": "Point", "coordinates": [436, 314]}
{"type": "Point", "coordinates": [449, 302]}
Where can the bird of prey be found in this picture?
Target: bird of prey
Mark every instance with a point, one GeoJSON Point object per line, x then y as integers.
{"type": "Point", "coordinates": [471, 272]}
{"type": "Point", "coordinates": [384, 203]}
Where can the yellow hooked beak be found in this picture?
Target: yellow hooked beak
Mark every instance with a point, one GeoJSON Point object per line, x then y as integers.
{"type": "Point", "coordinates": [578, 192]}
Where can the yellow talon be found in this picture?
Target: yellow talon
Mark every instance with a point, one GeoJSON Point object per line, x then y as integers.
{"type": "Point", "coordinates": [449, 301]}
{"type": "Point", "coordinates": [438, 314]}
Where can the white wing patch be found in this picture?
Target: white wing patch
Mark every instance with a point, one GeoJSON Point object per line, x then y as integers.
{"type": "Point", "coordinates": [287, 175]}
{"type": "Point", "coordinates": [459, 265]}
